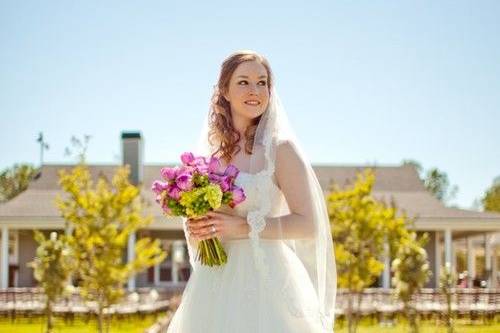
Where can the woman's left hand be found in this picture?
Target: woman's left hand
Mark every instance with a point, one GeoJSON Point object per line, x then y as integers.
{"type": "Point", "coordinates": [226, 227]}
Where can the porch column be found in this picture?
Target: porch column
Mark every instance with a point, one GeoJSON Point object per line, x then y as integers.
{"type": "Point", "coordinates": [453, 257]}
{"type": "Point", "coordinates": [4, 262]}
{"type": "Point", "coordinates": [437, 258]}
{"type": "Point", "coordinates": [494, 269]}
{"type": "Point", "coordinates": [386, 274]}
{"type": "Point", "coordinates": [487, 259]}
{"type": "Point", "coordinates": [177, 259]}
{"type": "Point", "coordinates": [130, 257]}
{"type": "Point", "coordinates": [447, 247]}
{"type": "Point", "coordinates": [471, 262]}
{"type": "Point", "coordinates": [157, 275]}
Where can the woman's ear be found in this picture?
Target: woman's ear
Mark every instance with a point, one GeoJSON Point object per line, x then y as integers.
{"type": "Point", "coordinates": [225, 94]}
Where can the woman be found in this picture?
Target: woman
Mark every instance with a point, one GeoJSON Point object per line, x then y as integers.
{"type": "Point", "coordinates": [280, 275]}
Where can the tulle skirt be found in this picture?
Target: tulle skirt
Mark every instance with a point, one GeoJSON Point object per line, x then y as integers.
{"type": "Point", "coordinates": [233, 298]}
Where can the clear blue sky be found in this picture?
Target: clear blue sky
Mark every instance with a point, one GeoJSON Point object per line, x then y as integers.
{"type": "Point", "coordinates": [363, 82]}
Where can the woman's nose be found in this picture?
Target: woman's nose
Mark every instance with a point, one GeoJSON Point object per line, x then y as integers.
{"type": "Point", "coordinates": [253, 89]}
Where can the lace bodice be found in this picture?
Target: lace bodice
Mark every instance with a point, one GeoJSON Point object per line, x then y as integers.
{"type": "Point", "coordinates": [249, 183]}
{"type": "Point", "coordinates": [246, 181]}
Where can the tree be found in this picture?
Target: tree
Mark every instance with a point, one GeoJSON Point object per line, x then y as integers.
{"type": "Point", "coordinates": [101, 217]}
{"type": "Point", "coordinates": [79, 148]}
{"type": "Point", "coordinates": [52, 269]}
{"type": "Point", "coordinates": [360, 227]}
{"type": "Point", "coordinates": [415, 164]}
{"type": "Point", "coordinates": [15, 180]}
{"type": "Point", "coordinates": [435, 181]}
{"type": "Point", "coordinates": [491, 199]}
{"type": "Point", "coordinates": [411, 273]}
{"type": "Point", "coordinates": [447, 283]}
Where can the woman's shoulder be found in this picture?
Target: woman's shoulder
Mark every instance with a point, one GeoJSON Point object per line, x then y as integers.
{"type": "Point", "coordinates": [287, 152]}
{"type": "Point", "coordinates": [291, 169]}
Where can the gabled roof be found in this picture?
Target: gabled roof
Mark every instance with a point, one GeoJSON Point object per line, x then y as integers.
{"type": "Point", "coordinates": [401, 183]}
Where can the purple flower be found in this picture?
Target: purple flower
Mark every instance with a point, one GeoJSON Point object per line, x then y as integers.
{"type": "Point", "coordinates": [185, 169]}
{"type": "Point", "coordinates": [159, 186]}
{"type": "Point", "coordinates": [214, 178]}
{"type": "Point", "coordinates": [231, 171]}
{"type": "Point", "coordinates": [184, 181]}
{"type": "Point", "coordinates": [238, 196]}
{"type": "Point", "coordinates": [187, 158]}
{"type": "Point", "coordinates": [225, 183]}
{"type": "Point", "coordinates": [213, 164]}
{"type": "Point", "coordinates": [202, 169]}
{"type": "Point", "coordinates": [169, 173]}
{"type": "Point", "coordinates": [174, 192]}
{"type": "Point", "coordinates": [199, 160]}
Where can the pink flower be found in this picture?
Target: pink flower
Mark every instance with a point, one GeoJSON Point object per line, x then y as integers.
{"type": "Point", "coordinates": [214, 178]}
{"type": "Point", "coordinates": [174, 192]}
{"type": "Point", "coordinates": [159, 186]}
{"type": "Point", "coordinates": [198, 161]}
{"type": "Point", "coordinates": [187, 158]}
{"type": "Point", "coordinates": [225, 183]}
{"type": "Point", "coordinates": [231, 171]}
{"type": "Point", "coordinates": [213, 164]}
{"type": "Point", "coordinates": [169, 173]}
{"type": "Point", "coordinates": [184, 181]}
{"type": "Point", "coordinates": [238, 196]}
{"type": "Point", "coordinates": [202, 169]}
{"type": "Point", "coordinates": [185, 169]}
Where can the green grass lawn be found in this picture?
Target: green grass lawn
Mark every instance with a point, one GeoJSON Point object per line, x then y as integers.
{"type": "Point", "coordinates": [426, 327]}
{"type": "Point", "coordinates": [37, 325]}
{"type": "Point", "coordinates": [137, 325]}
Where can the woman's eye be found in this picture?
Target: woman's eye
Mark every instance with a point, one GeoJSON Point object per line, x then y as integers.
{"type": "Point", "coordinates": [263, 83]}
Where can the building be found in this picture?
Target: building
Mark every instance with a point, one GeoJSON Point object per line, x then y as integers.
{"type": "Point", "coordinates": [449, 228]}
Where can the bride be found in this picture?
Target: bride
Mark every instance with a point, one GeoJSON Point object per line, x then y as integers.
{"type": "Point", "coordinates": [280, 273]}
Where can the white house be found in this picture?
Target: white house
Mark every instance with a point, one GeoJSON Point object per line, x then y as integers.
{"type": "Point", "coordinates": [449, 228]}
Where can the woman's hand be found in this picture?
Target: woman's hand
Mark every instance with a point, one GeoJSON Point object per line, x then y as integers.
{"type": "Point", "coordinates": [226, 227]}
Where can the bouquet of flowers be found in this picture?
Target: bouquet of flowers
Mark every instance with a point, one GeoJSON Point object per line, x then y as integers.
{"type": "Point", "coordinates": [195, 188]}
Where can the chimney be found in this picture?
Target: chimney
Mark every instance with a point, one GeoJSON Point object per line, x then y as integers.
{"type": "Point", "coordinates": [132, 154]}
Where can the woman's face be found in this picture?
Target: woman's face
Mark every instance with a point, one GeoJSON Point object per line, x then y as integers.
{"type": "Point", "coordinates": [248, 91]}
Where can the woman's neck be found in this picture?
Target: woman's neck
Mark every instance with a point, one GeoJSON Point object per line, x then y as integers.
{"type": "Point", "coordinates": [240, 124]}
{"type": "Point", "coordinates": [240, 159]}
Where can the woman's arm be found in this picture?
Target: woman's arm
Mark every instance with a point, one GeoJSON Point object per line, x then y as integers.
{"type": "Point", "coordinates": [292, 176]}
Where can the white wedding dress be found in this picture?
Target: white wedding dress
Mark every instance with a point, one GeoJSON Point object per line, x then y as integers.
{"type": "Point", "coordinates": [229, 298]}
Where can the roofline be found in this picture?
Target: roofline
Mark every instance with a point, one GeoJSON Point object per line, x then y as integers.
{"type": "Point", "coordinates": [175, 223]}
{"type": "Point", "coordinates": [50, 222]}
{"type": "Point", "coordinates": [345, 165]}
{"type": "Point", "coordinates": [313, 164]}
{"type": "Point", "coordinates": [457, 224]}
{"type": "Point", "coordinates": [72, 164]}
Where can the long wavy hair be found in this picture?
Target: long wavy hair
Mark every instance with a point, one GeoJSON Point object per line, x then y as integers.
{"type": "Point", "coordinates": [221, 134]}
